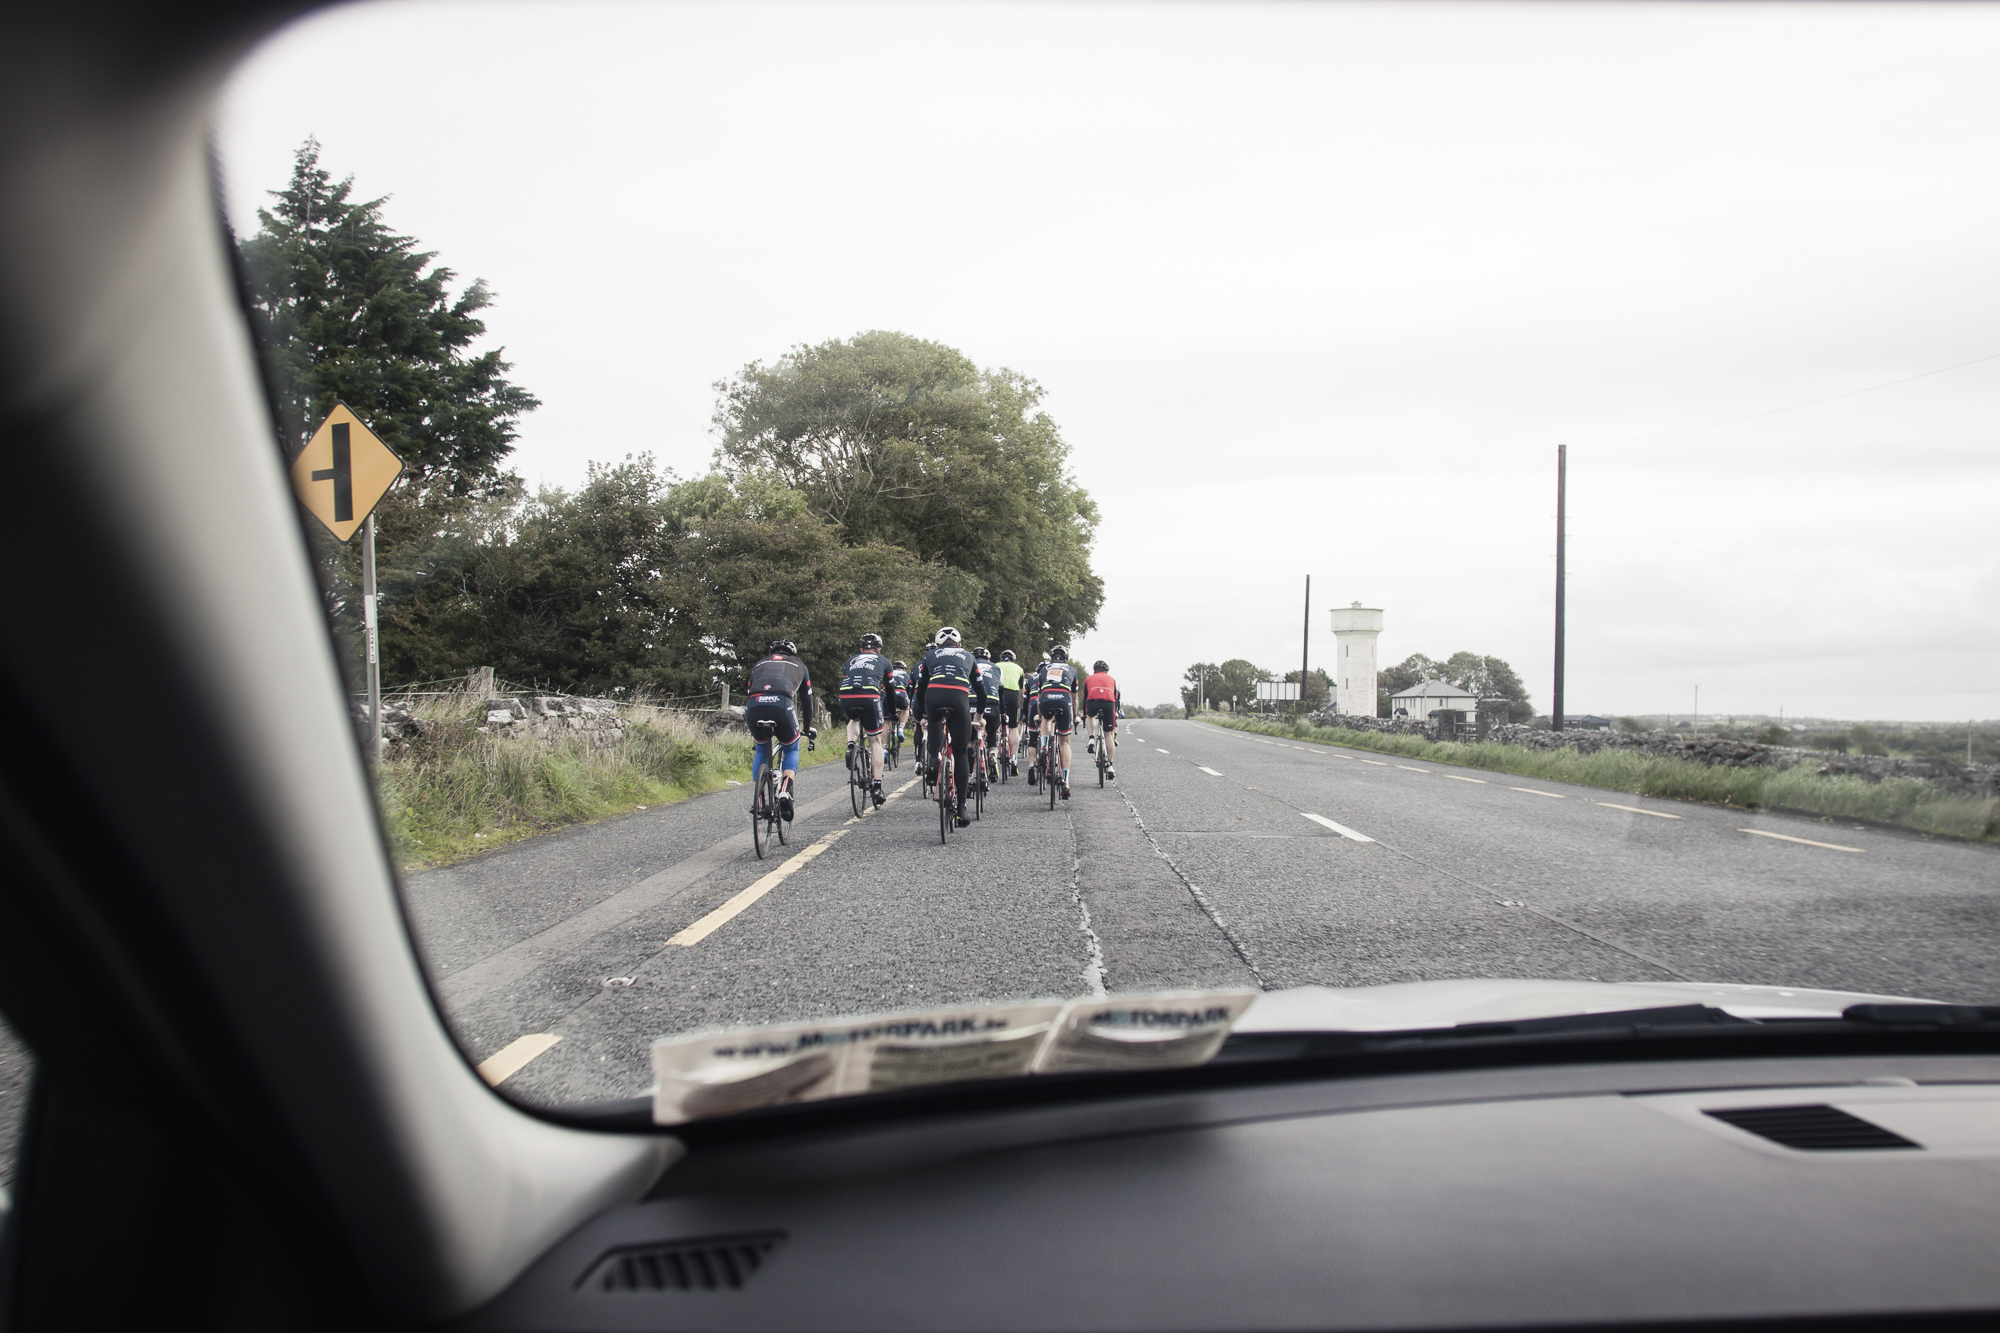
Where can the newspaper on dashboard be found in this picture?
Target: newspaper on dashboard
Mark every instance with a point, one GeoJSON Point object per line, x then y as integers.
{"type": "Point", "coordinates": [720, 1072]}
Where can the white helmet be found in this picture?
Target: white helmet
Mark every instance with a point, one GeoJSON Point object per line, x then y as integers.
{"type": "Point", "coordinates": [947, 637]}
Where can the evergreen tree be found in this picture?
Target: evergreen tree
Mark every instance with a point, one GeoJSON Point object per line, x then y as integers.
{"type": "Point", "coordinates": [350, 311]}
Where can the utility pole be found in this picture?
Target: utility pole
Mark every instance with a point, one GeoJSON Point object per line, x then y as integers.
{"type": "Point", "coordinates": [1305, 646]}
{"type": "Point", "coordinates": [1562, 509]}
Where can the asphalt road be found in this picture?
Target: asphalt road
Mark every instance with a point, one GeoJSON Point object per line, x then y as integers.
{"type": "Point", "coordinates": [1216, 858]}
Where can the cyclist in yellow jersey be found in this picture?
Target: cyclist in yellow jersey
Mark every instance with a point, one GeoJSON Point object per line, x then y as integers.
{"type": "Point", "coordinates": [1010, 705]}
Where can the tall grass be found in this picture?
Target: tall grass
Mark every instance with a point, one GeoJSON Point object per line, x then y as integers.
{"type": "Point", "coordinates": [457, 790]}
{"type": "Point", "coordinates": [1902, 802]}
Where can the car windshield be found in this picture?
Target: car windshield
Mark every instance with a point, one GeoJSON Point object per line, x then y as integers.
{"type": "Point", "coordinates": [885, 544]}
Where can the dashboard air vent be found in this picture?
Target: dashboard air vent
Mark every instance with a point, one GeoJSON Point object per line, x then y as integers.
{"type": "Point", "coordinates": [712, 1263]}
{"type": "Point", "coordinates": [1812, 1128]}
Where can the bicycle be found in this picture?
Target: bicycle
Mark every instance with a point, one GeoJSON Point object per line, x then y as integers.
{"type": "Point", "coordinates": [947, 789]}
{"type": "Point", "coordinates": [861, 777]}
{"type": "Point", "coordinates": [1103, 759]}
{"type": "Point", "coordinates": [977, 770]}
{"type": "Point", "coordinates": [1006, 752]}
{"type": "Point", "coordinates": [1051, 775]}
{"type": "Point", "coordinates": [895, 746]}
{"type": "Point", "coordinates": [765, 818]}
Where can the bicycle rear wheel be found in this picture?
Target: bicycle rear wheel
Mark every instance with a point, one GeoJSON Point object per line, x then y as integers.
{"type": "Point", "coordinates": [1049, 773]}
{"type": "Point", "coordinates": [759, 809]}
{"type": "Point", "coordinates": [856, 790]}
{"type": "Point", "coordinates": [979, 789]}
{"type": "Point", "coordinates": [944, 800]}
{"type": "Point", "coordinates": [1102, 763]}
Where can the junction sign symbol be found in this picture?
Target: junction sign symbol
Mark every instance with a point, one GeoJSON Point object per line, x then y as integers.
{"type": "Point", "coordinates": [343, 472]}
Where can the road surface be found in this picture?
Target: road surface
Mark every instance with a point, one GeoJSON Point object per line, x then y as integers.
{"type": "Point", "coordinates": [1217, 857]}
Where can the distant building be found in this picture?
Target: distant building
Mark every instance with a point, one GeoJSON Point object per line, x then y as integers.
{"type": "Point", "coordinates": [1425, 695]}
{"type": "Point", "coordinates": [1355, 629]}
{"type": "Point", "coordinates": [1588, 722]}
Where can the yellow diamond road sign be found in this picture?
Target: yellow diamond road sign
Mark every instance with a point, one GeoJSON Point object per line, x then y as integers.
{"type": "Point", "coordinates": [343, 471]}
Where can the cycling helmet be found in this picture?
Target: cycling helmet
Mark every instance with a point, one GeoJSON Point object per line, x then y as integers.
{"type": "Point", "coordinates": [871, 643]}
{"type": "Point", "coordinates": [1007, 655]}
{"type": "Point", "coordinates": [982, 654]}
{"type": "Point", "coordinates": [1059, 654]}
{"type": "Point", "coordinates": [785, 646]}
{"type": "Point", "coordinates": [946, 637]}
{"type": "Point", "coordinates": [1100, 665]}
{"type": "Point", "coordinates": [900, 666]}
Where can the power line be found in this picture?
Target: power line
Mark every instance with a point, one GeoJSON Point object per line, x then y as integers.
{"type": "Point", "coordinates": [1796, 407]}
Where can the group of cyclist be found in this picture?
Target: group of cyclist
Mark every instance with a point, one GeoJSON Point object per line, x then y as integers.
{"type": "Point", "coordinates": [954, 691]}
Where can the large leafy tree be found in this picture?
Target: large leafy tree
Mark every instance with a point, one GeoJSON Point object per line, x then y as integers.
{"type": "Point", "coordinates": [896, 440]}
{"type": "Point", "coordinates": [1487, 677]}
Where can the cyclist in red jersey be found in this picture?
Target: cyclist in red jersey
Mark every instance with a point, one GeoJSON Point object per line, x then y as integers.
{"type": "Point", "coordinates": [1100, 712]}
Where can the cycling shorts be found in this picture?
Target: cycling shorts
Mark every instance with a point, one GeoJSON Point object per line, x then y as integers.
{"type": "Point", "coordinates": [865, 709]}
{"type": "Point", "coordinates": [1010, 706]}
{"type": "Point", "coordinates": [1104, 710]}
{"type": "Point", "coordinates": [899, 702]}
{"type": "Point", "coordinates": [1056, 709]}
{"type": "Point", "coordinates": [769, 714]}
{"type": "Point", "coordinates": [993, 727]}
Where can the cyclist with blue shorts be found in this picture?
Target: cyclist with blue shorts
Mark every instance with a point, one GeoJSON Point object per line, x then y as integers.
{"type": "Point", "coordinates": [779, 702]}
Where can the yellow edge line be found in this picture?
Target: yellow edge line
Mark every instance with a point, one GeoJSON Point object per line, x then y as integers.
{"type": "Point", "coordinates": [1657, 814]}
{"type": "Point", "coordinates": [1786, 837]}
{"type": "Point", "coordinates": [512, 1058]}
{"type": "Point", "coordinates": [721, 916]}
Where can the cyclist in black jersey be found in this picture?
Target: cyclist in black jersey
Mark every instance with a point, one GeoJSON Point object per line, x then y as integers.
{"type": "Point", "coordinates": [900, 688]}
{"type": "Point", "coordinates": [989, 672]}
{"type": "Point", "coordinates": [948, 686]}
{"type": "Point", "coordinates": [778, 702]}
{"type": "Point", "coordinates": [864, 697]}
{"type": "Point", "coordinates": [1059, 684]}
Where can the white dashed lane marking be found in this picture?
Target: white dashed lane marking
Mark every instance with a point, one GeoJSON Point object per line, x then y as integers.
{"type": "Point", "coordinates": [1377, 762]}
{"type": "Point", "coordinates": [1657, 814]}
{"type": "Point", "coordinates": [1786, 837]}
{"type": "Point", "coordinates": [1456, 778]}
{"type": "Point", "coordinates": [1341, 829]}
{"type": "Point", "coordinates": [1407, 769]}
{"type": "Point", "coordinates": [1206, 769]}
{"type": "Point", "coordinates": [1552, 795]}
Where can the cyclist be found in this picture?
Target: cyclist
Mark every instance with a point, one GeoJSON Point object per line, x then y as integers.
{"type": "Point", "coordinates": [779, 697]}
{"type": "Point", "coordinates": [1060, 682]}
{"type": "Point", "coordinates": [1100, 710]}
{"type": "Point", "coordinates": [864, 697]}
{"type": "Point", "coordinates": [1010, 706]}
{"type": "Point", "coordinates": [1031, 692]}
{"type": "Point", "coordinates": [899, 695]}
{"type": "Point", "coordinates": [948, 681]}
{"type": "Point", "coordinates": [989, 672]}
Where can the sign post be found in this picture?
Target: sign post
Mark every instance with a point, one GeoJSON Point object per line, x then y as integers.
{"type": "Point", "coordinates": [340, 476]}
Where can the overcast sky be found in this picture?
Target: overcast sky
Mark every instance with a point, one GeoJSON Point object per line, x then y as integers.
{"type": "Point", "coordinates": [1313, 289]}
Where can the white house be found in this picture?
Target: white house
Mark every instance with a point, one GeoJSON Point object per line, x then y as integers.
{"type": "Point", "coordinates": [1424, 696]}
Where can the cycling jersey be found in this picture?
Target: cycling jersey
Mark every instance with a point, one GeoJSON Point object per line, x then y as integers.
{"type": "Point", "coordinates": [865, 673]}
{"type": "Point", "coordinates": [782, 677]}
{"type": "Point", "coordinates": [1062, 678]}
{"type": "Point", "coordinates": [1010, 675]}
{"type": "Point", "coordinates": [951, 671]}
{"type": "Point", "coordinates": [1100, 685]}
{"type": "Point", "coordinates": [989, 675]}
{"type": "Point", "coordinates": [899, 681]}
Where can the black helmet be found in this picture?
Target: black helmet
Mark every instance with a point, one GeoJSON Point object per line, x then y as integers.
{"type": "Point", "coordinates": [946, 637]}
{"type": "Point", "coordinates": [1059, 654]}
{"type": "Point", "coordinates": [785, 646]}
{"type": "Point", "coordinates": [900, 666]}
{"type": "Point", "coordinates": [982, 654]}
{"type": "Point", "coordinates": [871, 643]}
{"type": "Point", "coordinates": [1006, 654]}
{"type": "Point", "coordinates": [1100, 665]}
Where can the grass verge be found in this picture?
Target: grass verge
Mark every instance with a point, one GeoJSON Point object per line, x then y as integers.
{"type": "Point", "coordinates": [457, 791]}
{"type": "Point", "coordinates": [1907, 803]}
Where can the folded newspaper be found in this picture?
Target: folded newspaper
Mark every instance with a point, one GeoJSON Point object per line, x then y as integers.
{"type": "Point", "coordinates": [720, 1072]}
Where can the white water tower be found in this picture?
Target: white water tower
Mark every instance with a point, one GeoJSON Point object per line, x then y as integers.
{"type": "Point", "coordinates": [1355, 629]}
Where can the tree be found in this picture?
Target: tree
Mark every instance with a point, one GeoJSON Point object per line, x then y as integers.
{"type": "Point", "coordinates": [896, 440]}
{"type": "Point", "coordinates": [1489, 678]}
{"type": "Point", "coordinates": [1318, 691]}
{"type": "Point", "coordinates": [346, 310]}
{"type": "Point", "coordinates": [1394, 680]}
{"type": "Point", "coordinates": [350, 311]}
